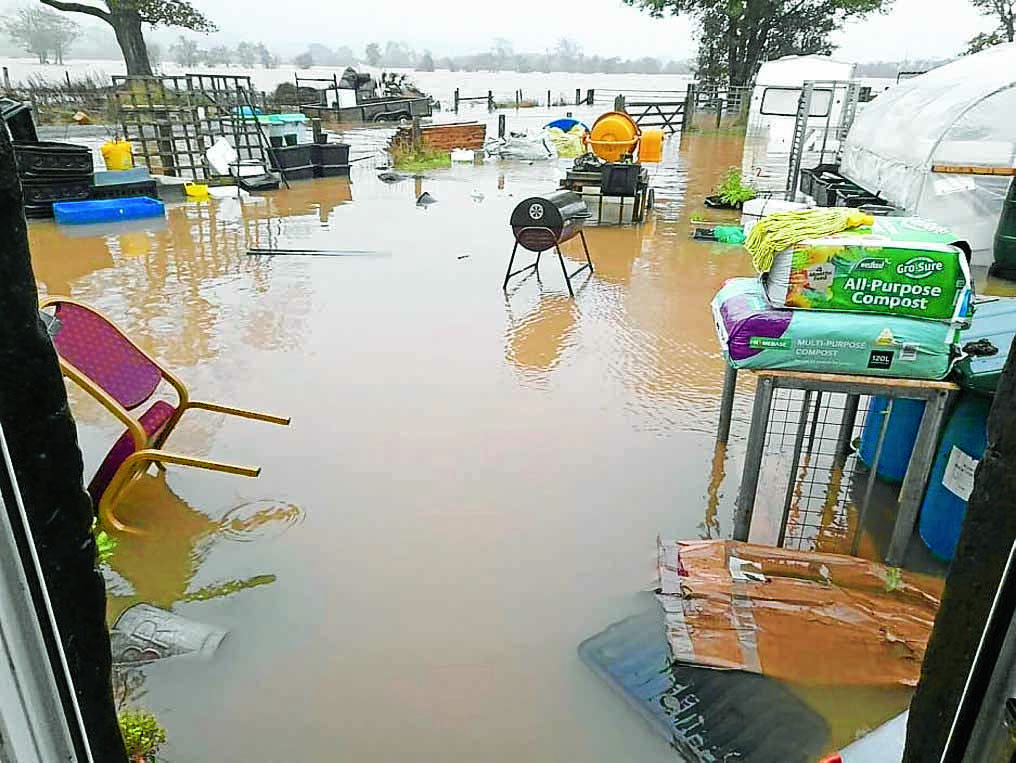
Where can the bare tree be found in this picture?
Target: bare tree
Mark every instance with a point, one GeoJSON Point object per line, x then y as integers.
{"type": "Point", "coordinates": [41, 32]}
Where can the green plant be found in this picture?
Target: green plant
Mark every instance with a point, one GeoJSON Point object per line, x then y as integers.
{"type": "Point", "coordinates": [893, 579]}
{"type": "Point", "coordinates": [142, 735]}
{"type": "Point", "coordinates": [104, 545]}
{"type": "Point", "coordinates": [733, 190]}
{"type": "Point", "coordinates": [417, 158]}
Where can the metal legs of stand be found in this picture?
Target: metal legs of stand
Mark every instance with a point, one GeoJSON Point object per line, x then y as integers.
{"type": "Point", "coordinates": [849, 389]}
{"type": "Point", "coordinates": [509, 274]}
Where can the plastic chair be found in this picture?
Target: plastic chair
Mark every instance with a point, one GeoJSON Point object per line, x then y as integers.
{"type": "Point", "coordinates": [97, 356]}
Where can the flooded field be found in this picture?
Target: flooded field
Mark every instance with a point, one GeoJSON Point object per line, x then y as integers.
{"type": "Point", "coordinates": [471, 485]}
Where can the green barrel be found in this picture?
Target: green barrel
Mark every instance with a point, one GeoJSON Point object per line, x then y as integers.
{"type": "Point", "coordinates": [1005, 238]}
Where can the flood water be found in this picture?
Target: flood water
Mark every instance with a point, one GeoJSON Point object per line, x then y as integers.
{"type": "Point", "coordinates": [471, 485]}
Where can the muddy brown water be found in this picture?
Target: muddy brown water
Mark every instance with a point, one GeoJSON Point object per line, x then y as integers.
{"type": "Point", "coordinates": [471, 485]}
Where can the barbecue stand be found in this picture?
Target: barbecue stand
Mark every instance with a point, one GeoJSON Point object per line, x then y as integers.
{"type": "Point", "coordinates": [542, 223]}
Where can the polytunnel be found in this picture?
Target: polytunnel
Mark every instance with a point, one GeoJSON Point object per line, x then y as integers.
{"type": "Point", "coordinates": [930, 145]}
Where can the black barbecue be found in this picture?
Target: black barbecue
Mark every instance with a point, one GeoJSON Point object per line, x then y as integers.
{"type": "Point", "coordinates": [542, 223]}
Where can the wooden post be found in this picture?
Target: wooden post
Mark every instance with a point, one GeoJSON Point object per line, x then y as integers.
{"type": "Point", "coordinates": [417, 132]}
{"type": "Point", "coordinates": [689, 108]}
{"type": "Point", "coordinates": [456, 100]}
{"type": "Point", "coordinates": [619, 103]}
{"type": "Point", "coordinates": [315, 128]}
{"type": "Point", "coordinates": [548, 99]}
{"type": "Point", "coordinates": [989, 530]}
{"type": "Point", "coordinates": [67, 76]}
{"type": "Point", "coordinates": [590, 97]}
{"type": "Point", "coordinates": [490, 100]}
{"type": "Point", "coordinates": [719, 113]}
{"type": "Point", "coordinates": [578, 96]}
{"type": "Point", "coordinates": [518, 100]}
{"type": "Point", "coordinates": [501, 125]}
{"type": "Point", "coordinates": [7, 79]}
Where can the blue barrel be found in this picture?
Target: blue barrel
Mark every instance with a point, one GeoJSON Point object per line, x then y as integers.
{"type": "Point", "coordinates": [942, 511]}
{"type": "Point", "coordinates": [900, 436]}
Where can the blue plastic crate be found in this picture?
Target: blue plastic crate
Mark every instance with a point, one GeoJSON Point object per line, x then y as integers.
{"type": "Point", "coordinates": [107, 210]}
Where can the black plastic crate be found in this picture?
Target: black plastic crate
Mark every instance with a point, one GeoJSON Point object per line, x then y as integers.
{"type": "Point", "coordinates": [813, 175]}
{"type": "Point", "coordinates": [38, 211]}
{"type": "Point", "coordinates": [849, 198]}
{"type": "Point", "coordinates": [618, 179]}
{"type": "Point", "coordinates": [48, 190]}
{"type": "Point", "coordinates": [291, 157]}
{"type": "Point", "coordinates": [299, 173]}
{"type": "Point", "coordinates": [826, 193]}
{"type": "Point", "coordinates": [18, 118]}
{"type": "Point", "coordinates": [329, 154]}
{"type": "Point", "coordinates": [331, 170]}
{"type": "Point", "coordinates": [51, 159]}
{"type": "Point", "coordinates": [148, 188]}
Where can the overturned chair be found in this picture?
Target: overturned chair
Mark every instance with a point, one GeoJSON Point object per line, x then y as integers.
{"type": "Point", "coordinates": [97, 356]}
{"type": "Point", "coordinates": [542, 223]}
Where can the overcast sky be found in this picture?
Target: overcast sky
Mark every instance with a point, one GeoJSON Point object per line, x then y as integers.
{"type": "Point", "coordinates": [912, 29]}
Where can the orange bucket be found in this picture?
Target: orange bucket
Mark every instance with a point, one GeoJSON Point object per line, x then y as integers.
{"type": "Point", "coordinates": [613, 135]}
{"type": "Point", "coordinates": [651, 146]}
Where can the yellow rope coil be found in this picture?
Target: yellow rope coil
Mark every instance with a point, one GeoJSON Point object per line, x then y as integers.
{"type": "Point", "coordinates": [783, 230]}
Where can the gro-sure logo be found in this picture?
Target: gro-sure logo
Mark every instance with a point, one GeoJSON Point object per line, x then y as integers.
{"type": "Point", "coordinates": [919, 267]}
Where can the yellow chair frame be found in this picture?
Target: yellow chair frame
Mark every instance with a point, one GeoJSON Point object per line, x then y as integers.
{"type": "Point", "coordinates": [148, 450]}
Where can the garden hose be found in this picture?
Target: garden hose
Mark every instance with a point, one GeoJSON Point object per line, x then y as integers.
{"type": "Point", "coordinates": [782, 230]}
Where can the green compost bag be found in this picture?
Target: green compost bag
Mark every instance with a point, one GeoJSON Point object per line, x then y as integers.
{"type": "Point", "coordinates": [901, 266]}
{"type": "Point", "coordinates": [755, 334]}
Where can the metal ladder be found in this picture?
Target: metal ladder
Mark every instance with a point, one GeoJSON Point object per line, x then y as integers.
{"type": "Point", "coordinates": [800, 135]}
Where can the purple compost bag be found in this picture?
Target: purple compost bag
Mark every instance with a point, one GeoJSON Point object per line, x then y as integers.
{"type": "Point", "coordinates": [754, 334]}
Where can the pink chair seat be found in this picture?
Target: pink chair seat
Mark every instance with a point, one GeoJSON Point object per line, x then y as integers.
{"type": "Point", "coordinates": [152, 420]}
{"type": "Point", "coordinates": [99, 350]}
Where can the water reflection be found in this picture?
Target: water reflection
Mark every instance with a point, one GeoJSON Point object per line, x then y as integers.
{"type": "Point", "coordinates": [537, 339]}
{"type": "Point", "coordinates": [175, 539]}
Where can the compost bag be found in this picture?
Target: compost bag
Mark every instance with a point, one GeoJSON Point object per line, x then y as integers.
{"type": "Point", "coordinates": [898, 266]}
{"type": "Point", "coordinates": [801, 616]}
{"type": "Point", "coordinates": [755, 334]}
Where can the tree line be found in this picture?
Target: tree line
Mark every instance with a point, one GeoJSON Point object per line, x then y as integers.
{"type": "Point", "coordinates": [566, 56]}
{"type": "Point", "coordinates": [735, 37]}
{"type": "Point", "coordinates": [187, 53]}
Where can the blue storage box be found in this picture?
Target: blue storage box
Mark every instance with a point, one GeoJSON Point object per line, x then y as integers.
{"type": "Point", "coordinates": [107, 210]}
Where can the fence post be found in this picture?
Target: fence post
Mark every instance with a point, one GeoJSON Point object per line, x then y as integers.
{"type": "Point", "coordinates": [490, 100]}
{"type": "Point", "coordinates": [619, 103]}
{"type": "Point", "coordinates": [518, 99]}
{"type": "Point", "coordinates": [689, 108]}
{"type": "Point", "coordinates": [456, 100]}
{"type": "Point", "coordinates": [578, 96]}
{"type": "Point", "coordinates": [548, 99]}
{"type": "Point", "coordinates": [417, 132]}
{"type": "Point", "coordinates": [7, 79]}
{"type": "Point", "coordinates": [590, 96]}
{"type": "Point", "coordinates": [719, 112]}
{"type": "Point", "coordinates": [501, 125]}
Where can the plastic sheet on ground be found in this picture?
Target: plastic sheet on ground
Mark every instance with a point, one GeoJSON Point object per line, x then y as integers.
{"type": "Point", "coordinates": [521, 147]}
{"type": "Point", "coordinates": [706, 715]}
{"type": "Point", "coordinates": [568, 144]}
{"type": "Point", "coordinates": [802, 616]}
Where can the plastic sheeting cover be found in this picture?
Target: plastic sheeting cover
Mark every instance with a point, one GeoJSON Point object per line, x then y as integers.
{"type": "Point", "coordinates": [959, 114]}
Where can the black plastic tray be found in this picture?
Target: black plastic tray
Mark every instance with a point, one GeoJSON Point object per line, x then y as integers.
{"type": "Point", "coordinates": [47, 190]}
{"type": "Point", "coordinates": [51, 159]}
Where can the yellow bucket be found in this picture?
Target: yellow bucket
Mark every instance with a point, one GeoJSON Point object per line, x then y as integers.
{"type": "Point", "coordinates": [117, 155]}
{"type": "Point", "coordinates": [613, 135]}
{"type": "Point", "coordinates": [196, 190]}
{"type": "Point", "coordinates": [651, 146]}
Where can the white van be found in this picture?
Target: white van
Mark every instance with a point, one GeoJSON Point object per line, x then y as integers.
{"type": "Point", "coordinates": [773, 114]}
